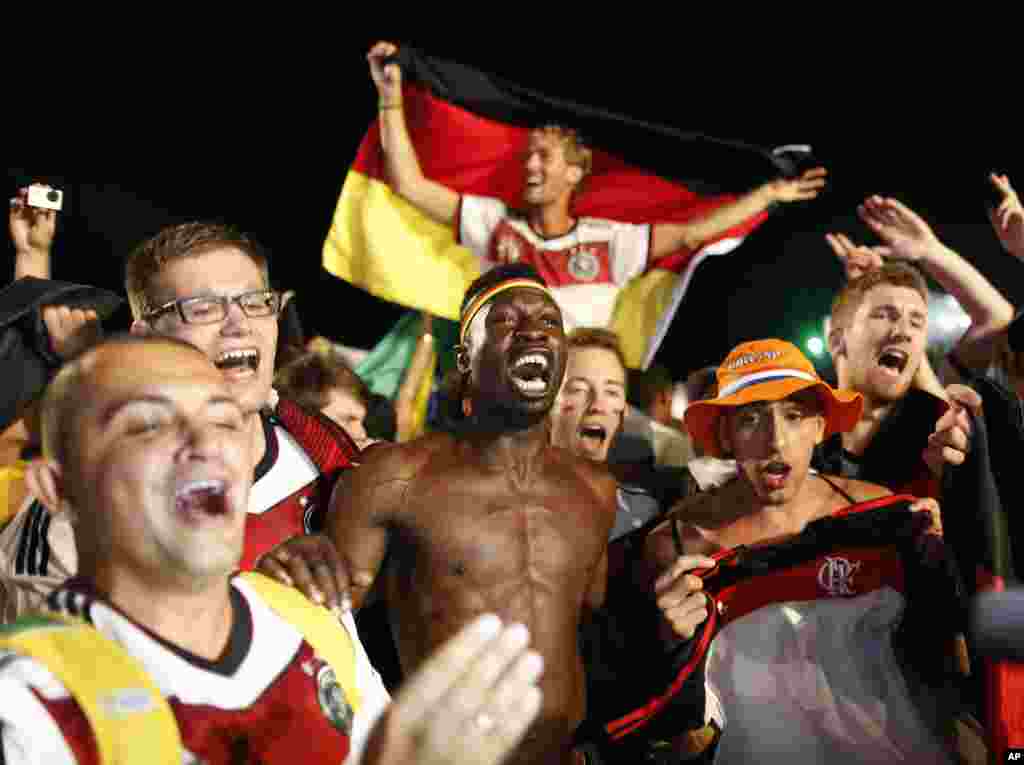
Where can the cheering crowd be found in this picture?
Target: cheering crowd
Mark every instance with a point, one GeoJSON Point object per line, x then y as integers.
{"type": "Point", "coordinates": [219, 546]}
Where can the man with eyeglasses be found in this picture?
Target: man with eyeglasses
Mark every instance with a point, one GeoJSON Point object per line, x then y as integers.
{"type": "Point", "coordinates": [209, 285]}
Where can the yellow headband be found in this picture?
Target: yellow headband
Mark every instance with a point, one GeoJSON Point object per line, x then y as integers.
{"type": "Point", "coordinates": [487, 295]}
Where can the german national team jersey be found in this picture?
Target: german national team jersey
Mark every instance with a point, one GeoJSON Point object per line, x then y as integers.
{"type": "Point", "coordinates": [285, 473]}
{"type": "Point", "coordinates": [585, 268]}
{"type": "Point", "coordinates": [268, 699]}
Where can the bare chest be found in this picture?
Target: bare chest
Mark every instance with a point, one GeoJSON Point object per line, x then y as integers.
{"type": "Point", "coordinates": [764, 527]}
{"type": "Point", "coordinates": [494, 527]}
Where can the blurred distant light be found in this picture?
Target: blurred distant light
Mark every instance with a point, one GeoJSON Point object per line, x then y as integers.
{"type": "Point", "coordinates": [815, 345]}
{"type": "Point", "coordinates": [948, 322]}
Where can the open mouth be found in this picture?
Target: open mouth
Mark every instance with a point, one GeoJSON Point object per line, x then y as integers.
{"type": "Point", "coordinates": [775, 474]}
{"type": "Point", "coordinates": [195, 500]}
{"type": "Point", "coordinates": [893, 360]}
{"type": "Point", "coordinates": [241, 359]}
{"type": "Point", "coordinates": [592, 437]}
{"type": "Point", "coordinates": [531, 373]}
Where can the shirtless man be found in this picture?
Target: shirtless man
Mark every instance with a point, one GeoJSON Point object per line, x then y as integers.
{"type": "Point", "coordinates": [491, 518]}
{"type": "Point", "coordinates": [189, 662]}
{"type": "Point", "coordinates": [826, 655]}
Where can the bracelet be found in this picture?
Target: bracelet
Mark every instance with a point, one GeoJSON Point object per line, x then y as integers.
{"type": "Point", "coordinates": [383, 105]}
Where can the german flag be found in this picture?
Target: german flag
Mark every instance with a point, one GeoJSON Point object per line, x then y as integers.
{"type": "Point", "coordinates": [469, 130]}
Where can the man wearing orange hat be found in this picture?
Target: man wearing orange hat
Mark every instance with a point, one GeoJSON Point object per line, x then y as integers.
{"type": "Point", "coordinates": [789, 598]}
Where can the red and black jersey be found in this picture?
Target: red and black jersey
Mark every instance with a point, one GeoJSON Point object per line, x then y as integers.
{"type": "Point", "coordinates": [306, 452]}
{"type": "Point", "coordinates": [809, 636]}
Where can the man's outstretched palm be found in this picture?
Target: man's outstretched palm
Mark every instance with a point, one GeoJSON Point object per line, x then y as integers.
{"type": "Point", "coordinates": [904, 234]}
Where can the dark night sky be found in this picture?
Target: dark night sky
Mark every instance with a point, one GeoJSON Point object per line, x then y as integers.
{"type": "Point", "coordinates": [261, 135]}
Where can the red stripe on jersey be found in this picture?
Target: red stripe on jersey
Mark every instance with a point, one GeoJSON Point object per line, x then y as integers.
{"type": "Point", "coordinates": [843, 573]}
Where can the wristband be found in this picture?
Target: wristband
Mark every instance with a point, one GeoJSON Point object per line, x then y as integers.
{"type": "Point", "coordinates": [384, 106]}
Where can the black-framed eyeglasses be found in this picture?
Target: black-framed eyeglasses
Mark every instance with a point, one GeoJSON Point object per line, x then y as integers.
{"type": "Point", "coordinates": [210, 309]}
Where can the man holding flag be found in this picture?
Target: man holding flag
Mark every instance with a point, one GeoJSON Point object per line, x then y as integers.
{"type": "Point", "coordinates": [585, 260]}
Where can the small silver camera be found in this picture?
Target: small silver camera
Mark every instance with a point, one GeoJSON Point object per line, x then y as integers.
{"type": "Point", "coordinates": [45, 197]}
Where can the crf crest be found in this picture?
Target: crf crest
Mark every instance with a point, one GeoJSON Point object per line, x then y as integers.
{"type": "Point", "coordinates": [836, 576]}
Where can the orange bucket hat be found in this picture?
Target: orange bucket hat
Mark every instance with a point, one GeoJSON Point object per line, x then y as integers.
{"type": "Point", "coordinates": [767, 370]}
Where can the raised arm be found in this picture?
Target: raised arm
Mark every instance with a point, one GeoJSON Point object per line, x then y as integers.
{"type": "Point", "coordinates": [669, 237]}
{"type": "Point", "coordinates": [1008, 219]}
{"type": "Point", "coordinates": [32, 231]}
{"type": "Point", "coordinates": [905, 235]}
{"type": "Point", "coordinates": [403, 167]}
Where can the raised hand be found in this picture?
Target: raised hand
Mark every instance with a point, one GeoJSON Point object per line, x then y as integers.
{"type": "Point", "coordinates": [905, 235]}
{"type": "Point", "coordinates": [857, 259]}
{"type": "Point", "coordinates": [1008, 219]}
{"type": "Point", "coordinates": [32, 229]}
{"type": "Point", "coordinates": [388, 79]}
{"type": "Point", "coordinates": [806, 186]}
{"type": "Point", "coordinates": [470, 703]}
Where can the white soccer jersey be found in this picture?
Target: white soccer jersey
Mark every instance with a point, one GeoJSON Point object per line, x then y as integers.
{"type": "Point", "coordinates": [264, 697]}
{"type": "Point", "coordinates": [585, 269]}
{"type": "Point", "coordinates": [817, 682]}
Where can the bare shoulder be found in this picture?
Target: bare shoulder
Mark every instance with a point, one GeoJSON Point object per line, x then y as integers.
{"type": "Point", "coordinates": [860, 491]}
{"type": "Point", "coordinates": [376, 489]}
{"type": "Point", "coordinates": [391, 461]}
{"type": "Point", "coordinates": [683, 527]}
{"type": "Point", "coordinates": [677, 535]}
{"type": "Point", "coordinates": [593, 474]}
{"type": "Point", "coordinates": [712, 509]}
{"type": "Point", "coordinates": [699, 509]}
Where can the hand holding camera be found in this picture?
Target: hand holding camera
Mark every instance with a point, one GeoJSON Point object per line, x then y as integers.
{"type": "Point", "coordinates": [33, 220]}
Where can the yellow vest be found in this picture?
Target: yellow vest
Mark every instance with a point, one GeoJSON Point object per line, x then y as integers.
{"type": "Point", "coordinates": [11, 477]}
{"type": "Point", "coordinates": [131, 720]}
